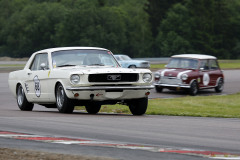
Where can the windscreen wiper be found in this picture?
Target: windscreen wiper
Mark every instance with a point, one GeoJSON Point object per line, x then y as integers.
{"type": "Point", "coordinates": [99, 64]}
{"type": "Point", "coordinates": [66, 65]}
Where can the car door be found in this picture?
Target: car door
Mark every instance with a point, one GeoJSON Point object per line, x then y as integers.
{"type": "Point", "coordinates": [204, 75]}
{"type": "Point", "coordinates": [37, 79]}
{"type": "Point", "coordinates": [214, 72]}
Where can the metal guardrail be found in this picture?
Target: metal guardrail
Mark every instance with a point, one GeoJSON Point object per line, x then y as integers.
{"type": "Point", "coordinates": [155, 60]}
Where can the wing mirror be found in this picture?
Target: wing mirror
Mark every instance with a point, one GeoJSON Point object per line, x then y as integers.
{"type": "Point", "coordinates": [43, 66]}
{"type": "Point", "coordinates": [201, 69]}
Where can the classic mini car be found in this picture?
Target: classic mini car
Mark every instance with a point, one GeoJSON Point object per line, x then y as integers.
{"type": "Point", "coordinates": [191, 72]}
{"type": "Point", "coordinates": [127, 62]}
{"type": "Point", "coordinates": [85, 76]}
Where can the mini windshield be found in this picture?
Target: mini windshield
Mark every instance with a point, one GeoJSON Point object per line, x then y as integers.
{"type": "Point", "coordinates": [83, 57]}
{"type": "Point", "coordinates": [183, 63]}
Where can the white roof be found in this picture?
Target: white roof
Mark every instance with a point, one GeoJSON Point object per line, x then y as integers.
{"type": "Point", "coordinates": [195, 56]}
{"type": "Point", "coordinates": [68, 48]}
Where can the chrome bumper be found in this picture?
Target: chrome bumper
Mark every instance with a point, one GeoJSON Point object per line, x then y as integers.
{"type": "Point", "coordinates": [92, 88]}
{"type": "Point", "coordinates": [172, 85]}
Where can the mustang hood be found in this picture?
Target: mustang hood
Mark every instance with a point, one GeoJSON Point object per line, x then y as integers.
{"type": "Point", "coordinates": [101, 69]}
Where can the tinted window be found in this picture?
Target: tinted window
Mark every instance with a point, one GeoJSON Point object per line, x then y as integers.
{"type": "Point", "coordinates": [204, 65]}
{"type": "Point", "coordinates": [213, 65]}
{"type": "Point", "coordinates": [183, 63]}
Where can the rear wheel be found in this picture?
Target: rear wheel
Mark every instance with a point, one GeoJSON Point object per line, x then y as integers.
{"type": "Point", "coordinates": [138, 106]}
{"type": "Point", "coordinates": [22, 101]}
{"type": "Point", "coordinates": [193, 89]}
{"type": "Point", "coordinates": [219, 87]}
{"type": "Point", "coordinates": [93, 108]}
{"type": "Point", "coordinates": [64, 104]}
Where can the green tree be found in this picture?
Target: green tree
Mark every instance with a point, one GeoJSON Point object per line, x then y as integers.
{"type": "Point", "coordinates": [88, 25]}
{"type": "Point", "coordinates": [157, 10]}
{"type": "Point", "coordinates": [233, 31]}
{"type": "Point", "coordinates": [209, 27]}
{"type": "Point", "coordinates": [175, 32]}
{"type": "Point", "coordinates": [32, 28]}
{"type": "Point", "coordinates": [196, 26]}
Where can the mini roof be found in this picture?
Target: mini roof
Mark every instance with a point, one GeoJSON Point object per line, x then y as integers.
{"type": "Point", "coordinates": [195, 56]}
{"type": "Point", "coordinates": [68, 48]}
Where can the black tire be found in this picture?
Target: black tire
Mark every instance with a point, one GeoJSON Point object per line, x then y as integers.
{"type": "Point", "coordinates": [220, 85]}
{"type": "Point", "coordinates": [63, 103]}
{"type": "Point", "coordinates": [93, 108]}
{"type": "Point", "coordinates": [138, 106]}
{"type": "Point", "coordinates": [22, 101]}
{"type": "Point", "coordinates": [193, 89]}
{"type": "Point", "coordinates": [158, 89]}
{"type": "Point", "coordinates": [132, 66]}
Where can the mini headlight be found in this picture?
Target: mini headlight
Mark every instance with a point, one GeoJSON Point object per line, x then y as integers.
{"type": "Point", "coordinates": [147, 77]}
{"type": "Point", "coordinates": [75, 79]}
{"type": "Point", "coordinates": [184, 77]}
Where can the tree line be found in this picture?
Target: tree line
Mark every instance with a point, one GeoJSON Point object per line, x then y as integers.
{"type": "Point", "coordinates": [138, 28]}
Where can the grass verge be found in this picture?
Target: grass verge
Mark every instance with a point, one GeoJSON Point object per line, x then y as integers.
{"type": "Point", "coordinates": [225, 106]}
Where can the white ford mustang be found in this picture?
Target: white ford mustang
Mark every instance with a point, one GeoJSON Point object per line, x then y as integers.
{"type": "Point", "coordinates": [85, 76]}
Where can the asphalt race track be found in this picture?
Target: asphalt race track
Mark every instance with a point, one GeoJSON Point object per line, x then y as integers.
{"type": "Point", "coordinates": [121, 136]}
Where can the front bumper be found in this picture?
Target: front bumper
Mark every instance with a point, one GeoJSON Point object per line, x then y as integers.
{"type": "Point", "coordinates": [172, 85]}
{"type": "Point", "coordinates": [102, 93]}
{"type": "Point", "coordinates": [93, 88]}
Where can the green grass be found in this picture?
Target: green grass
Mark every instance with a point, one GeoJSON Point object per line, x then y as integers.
{"type": "Point", "coordinates": [226, 106]}
{"type": "Point", "coordinates": [224, 64]}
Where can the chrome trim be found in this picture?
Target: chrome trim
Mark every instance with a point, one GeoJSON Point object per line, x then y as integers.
{"type": "Point", "coordinates": [109, 88]}
{"type": "Point", "coordinates": [172, 85]}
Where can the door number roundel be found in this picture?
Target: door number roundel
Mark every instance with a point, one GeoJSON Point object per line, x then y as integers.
{"type": "Point", "coordinates": [37, 86]}
{"type": "Point", "coordinates": [206, 79]}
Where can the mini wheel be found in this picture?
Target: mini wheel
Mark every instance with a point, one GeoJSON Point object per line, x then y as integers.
{"type": "Point", "coordinates": [220, 85]}
{"type": "Point", "coordinates": [193, 89]}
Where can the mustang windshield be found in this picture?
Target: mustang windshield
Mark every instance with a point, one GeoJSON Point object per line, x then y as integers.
{"type": "Point", "coordinates": [183, 63]}
{"type": "Point", "coordinates": [87, 57]}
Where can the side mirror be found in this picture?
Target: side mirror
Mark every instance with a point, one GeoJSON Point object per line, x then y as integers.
{"type": "Point", "coordinates": [201, 69]}
{"type": "Point", "coordinates": [43, 66]}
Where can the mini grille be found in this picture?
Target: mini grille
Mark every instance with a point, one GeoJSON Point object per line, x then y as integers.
{"type": "Point", "coordinates": [170, 80]}
{"type": "Point", "coordinates": [113, 77]}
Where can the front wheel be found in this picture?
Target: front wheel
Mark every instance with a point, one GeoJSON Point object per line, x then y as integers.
{"type": "Point", "coordinates": [193, 89]}
{"type": "Point", "coordinates": [22, 101]}
{"type": "Point", "coordinates": [93, 108]}
{"type": "Point", "coordinates": [158, 89]}
{"type": "Point", "coordinates": [138, 106]}
{"type": "Point", "coordinates": [63, 103]}
{"type": "Point", "coordinates": [219, 87]}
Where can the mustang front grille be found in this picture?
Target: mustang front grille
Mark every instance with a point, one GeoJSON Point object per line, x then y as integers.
{"type": "Point", "coordinates": [114, 77]}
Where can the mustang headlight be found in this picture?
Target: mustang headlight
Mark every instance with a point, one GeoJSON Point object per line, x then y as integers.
{"type": "Point", "coordinates": [75, 79]}
{"type": "Point", "coordinates": [184, 77]}
{"type": "Point", "coordinates": [147, 77]}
